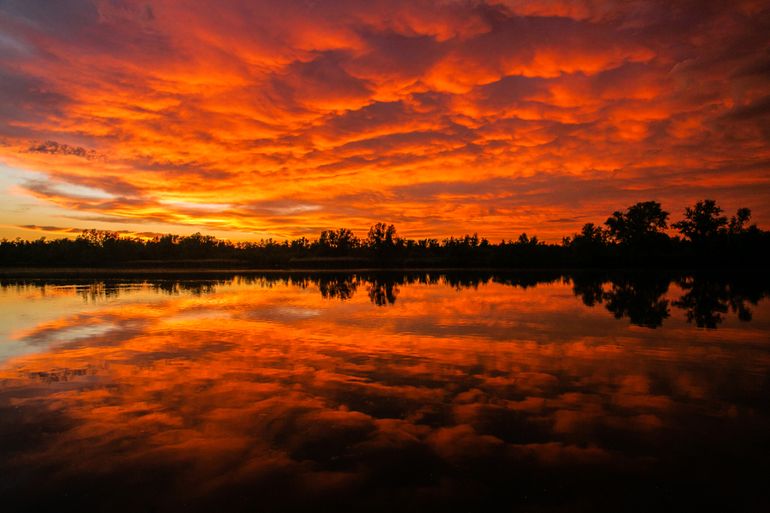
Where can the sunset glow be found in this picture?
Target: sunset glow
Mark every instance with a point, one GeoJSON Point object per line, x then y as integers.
{"type": "Point", "coordinates": [248, 119]}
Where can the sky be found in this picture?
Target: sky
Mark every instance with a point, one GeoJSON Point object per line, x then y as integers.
{"type": "Point", "coordinates": [249, 118]}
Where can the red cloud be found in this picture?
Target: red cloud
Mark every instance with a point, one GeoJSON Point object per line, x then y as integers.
{"type": "Point", "coordinates": [332, 104]}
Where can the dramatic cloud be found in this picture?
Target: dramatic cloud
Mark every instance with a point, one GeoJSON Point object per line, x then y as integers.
{"type": "Point", "coordinates": [262, 119]}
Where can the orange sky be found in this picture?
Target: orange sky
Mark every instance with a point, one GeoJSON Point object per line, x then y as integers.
{"type": "Point", "coordinates": [250, 119]}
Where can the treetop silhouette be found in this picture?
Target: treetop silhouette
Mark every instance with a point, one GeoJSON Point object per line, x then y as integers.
{"type": "Point", "coordinates": [635, 237]}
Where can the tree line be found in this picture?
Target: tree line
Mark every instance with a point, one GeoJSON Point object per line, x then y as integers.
{"type": "Point", "coordinates": [639, 236]}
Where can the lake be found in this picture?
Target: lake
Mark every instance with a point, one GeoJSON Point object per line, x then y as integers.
{"type": "Point", "coordinates": [415, 391]}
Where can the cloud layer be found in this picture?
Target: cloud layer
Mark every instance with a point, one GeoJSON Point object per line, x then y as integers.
{"type": "Point", "coordinates": [441, 116]}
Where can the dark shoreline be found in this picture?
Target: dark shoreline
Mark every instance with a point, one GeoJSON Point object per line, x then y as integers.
{"type": "Point", "coordinates": [634, 239]}
{"type": "Point", "coordinates": [42, 272]}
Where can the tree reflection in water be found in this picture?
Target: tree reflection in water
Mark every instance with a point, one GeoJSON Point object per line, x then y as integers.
{"type": "Point", "coordinates": [707, 299]}
{"type": "Point", "coordinates": [642, 298]}
{"type": "Point", "coordinates": [294, 391]}
{"type": "Point", "coordinates": [638, 298]}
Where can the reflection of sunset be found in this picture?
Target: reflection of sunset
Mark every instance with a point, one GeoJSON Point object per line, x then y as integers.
{"type": "Point", "coordinates": [267, 119]}
{"type": "Point", "coordinates": [243, 386]}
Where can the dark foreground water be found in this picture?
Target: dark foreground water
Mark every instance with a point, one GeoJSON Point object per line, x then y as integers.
{"type": "Point", "coordinates": [421, 392]}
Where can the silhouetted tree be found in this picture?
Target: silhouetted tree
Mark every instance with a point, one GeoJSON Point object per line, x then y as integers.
{"type": "Point", "coordinates": [339, 241]}
{"type": "Point", "coordinates": [639, 223]}
{"type": "Point", "coordinates": [592, 234]}
{"type": "Point", "coordinates": [590, 246]}
{"type": "Point", "coordinates": [381, 236]}
{"type": "Point", "coordinates": [739, 220]}
{"type": "Point", "coordinates": [302, 244]}
{"type": "Point", "coordinates": [702, 222]}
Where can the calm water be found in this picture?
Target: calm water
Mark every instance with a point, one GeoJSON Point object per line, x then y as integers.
{"type": "Point", "coordinates": [390, 392]}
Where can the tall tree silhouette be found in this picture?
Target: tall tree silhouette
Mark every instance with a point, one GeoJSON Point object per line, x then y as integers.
{"type": "Point", "coordinates": [702, 222]}
{"type": "Point", "coordinates": [739, 220]}
{"type": "Point", "coordinates": [640, 223]}
{"type": "Point", "coordinates": [339, 241]}
{"type": "Point", "coordinates": [381, 236]}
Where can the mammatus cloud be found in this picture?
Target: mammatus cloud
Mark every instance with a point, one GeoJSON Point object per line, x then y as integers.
{"type": "Point", "coordinates": [435, 115]}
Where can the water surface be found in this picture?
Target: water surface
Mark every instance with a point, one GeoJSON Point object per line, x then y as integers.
{"type": "Point", "coordinates": [417, 392]}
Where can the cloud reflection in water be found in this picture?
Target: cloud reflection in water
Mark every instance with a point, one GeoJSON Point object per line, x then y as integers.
{"type": "Point", "coordinates": [274, 395]}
